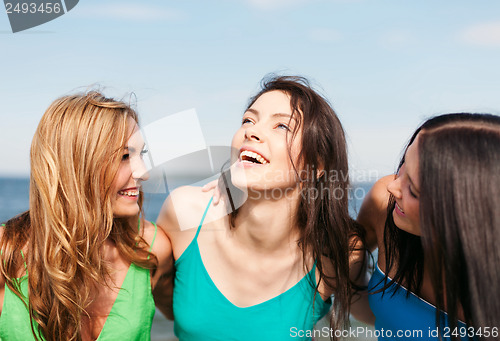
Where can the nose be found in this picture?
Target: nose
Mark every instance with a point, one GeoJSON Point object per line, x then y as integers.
{"type": "Point", "coordinates": [252, 133]}
{"type": "Point", "coordinates": [139, 170]}
{"type": "Point", "coordinates": [394, 187]}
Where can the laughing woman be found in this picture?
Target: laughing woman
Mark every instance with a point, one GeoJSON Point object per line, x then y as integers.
{"type": "Point", "coordinates": [81, 263]}
{"type": "Point", "coordinates": [266, 270]}
{"type": "Point", "coordinates": [437, 226]}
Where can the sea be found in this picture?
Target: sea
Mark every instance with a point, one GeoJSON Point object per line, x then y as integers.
{"type": "Point", "coordinates": [14, 199]}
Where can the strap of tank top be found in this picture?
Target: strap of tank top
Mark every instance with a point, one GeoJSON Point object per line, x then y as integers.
{"type": "Point", "coordinates": [24, 260]}
{"type": "Point", "coordinates": [154, 237]}
{"type": "Point", "coordinates": [203, 218]}
{"type": "Point", "coordinates": [311, 276]}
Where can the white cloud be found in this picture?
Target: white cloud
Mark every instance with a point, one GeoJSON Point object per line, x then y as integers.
{"type": "Point", "coordinates": [324, 35]}
{"type": "Point", "coordinates": [485, 34]}
{"type": "Point", "coordinates": [127, 11]}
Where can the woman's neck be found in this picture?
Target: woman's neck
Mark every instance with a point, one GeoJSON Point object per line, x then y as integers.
{"type": "Point", "coordinates": [267, 225]}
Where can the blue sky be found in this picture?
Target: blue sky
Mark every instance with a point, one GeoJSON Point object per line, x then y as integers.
{"type": "Point", "coordinates": [384, 65]}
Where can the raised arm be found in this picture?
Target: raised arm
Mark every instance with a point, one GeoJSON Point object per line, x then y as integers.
{"type": "Point", "coordinates": [371, 217]}
{"type": "Point", "coordinates": [359, 276]}
{"type": "Point", "coordinates": [373, 212]}
{"type": "Point", "coordinates": [163, 278]}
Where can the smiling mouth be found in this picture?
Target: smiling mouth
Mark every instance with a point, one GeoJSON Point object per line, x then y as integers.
{"type": "Point", "coordinates": [129, 193]}
{"type": "Point", "coordinates": [399, 208]}
{"type": "Point", "coordinates": [252, 157]}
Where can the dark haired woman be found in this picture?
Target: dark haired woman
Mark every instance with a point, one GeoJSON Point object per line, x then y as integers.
{"type": "Point", "coordinates": [266, 270]}
{"type": "Point", "coordinates": [437, 225]}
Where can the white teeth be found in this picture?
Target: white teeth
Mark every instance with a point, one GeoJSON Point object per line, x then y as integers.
{"type": "Point", "coordinates": [133, 193]}
{"type": "Point", "coordinates": [253, 155]}
{"type": "Point", "coordinates": [400, 208]}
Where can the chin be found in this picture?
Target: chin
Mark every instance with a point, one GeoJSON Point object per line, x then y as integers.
{"type": "Point", "coordinates": [126, 213]}
{"type": "Point", "coordinates": [239, 178]}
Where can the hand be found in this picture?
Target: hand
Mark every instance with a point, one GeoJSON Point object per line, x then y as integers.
{"type": "Point", "coordinates": [213, 185]}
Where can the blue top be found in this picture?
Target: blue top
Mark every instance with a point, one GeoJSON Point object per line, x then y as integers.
{"type": "Point", "coordinates": [398, 317]}
{"type": "Point", "coordinates": [202, 312]}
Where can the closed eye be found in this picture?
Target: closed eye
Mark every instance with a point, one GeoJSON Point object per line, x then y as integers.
{"type": "Point", "coordinates": [412, 193]}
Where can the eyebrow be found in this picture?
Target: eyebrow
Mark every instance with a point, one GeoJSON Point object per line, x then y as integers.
{"type": "Point", "coordinates": [132, 149]}
{"type": "Point", "coordinates": [278, 114]}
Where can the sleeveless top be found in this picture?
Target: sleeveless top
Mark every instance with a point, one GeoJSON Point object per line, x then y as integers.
{"type": "Point", "coordinates": [130, 318]}
{"type": "Point", "coordinates": [395, 313]}
{"type": "Point", "coordinates": [202, 312]}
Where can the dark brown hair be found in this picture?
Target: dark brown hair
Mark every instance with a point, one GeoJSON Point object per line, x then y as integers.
{"type": "Point", "coordinates": [459, 160]}
{"type": "Point", "coordinates": [324, 222]}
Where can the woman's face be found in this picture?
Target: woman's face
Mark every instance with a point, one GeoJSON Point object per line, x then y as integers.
{"type": "Point", "coordinates": [260, 146]}
{"type": "Point", "coordinates": [406, 190]}
{"type": "Point", "coordinates": [131, 172]}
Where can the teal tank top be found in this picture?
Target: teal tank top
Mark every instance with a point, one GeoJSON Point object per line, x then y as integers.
{"type": "Point", "coordinates": [130, 318]}
{"type": "Point", "coordinates": [396, 314]}
{"type": "Point", "coordinates": [202, 312]}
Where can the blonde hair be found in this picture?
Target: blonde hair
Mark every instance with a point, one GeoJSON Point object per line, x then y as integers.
{"type": "Point", "coordinates": [75, 155]}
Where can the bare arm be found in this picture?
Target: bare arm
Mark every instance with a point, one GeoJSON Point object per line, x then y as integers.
{"type": "Point", "coordinates": [164, 288]}
{"type": "Point", "coordinates": [358, 274]}
{"type": "Point", "coordinates": [371, 217]}
{"type": "Point", "coordinates": [373, 212]}
{"type": "Point", "coordinates": [177, 222]}
{"type": "Point", "coordinates": [162, 280]}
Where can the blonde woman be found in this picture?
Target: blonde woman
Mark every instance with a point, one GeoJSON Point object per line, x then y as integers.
{"type": "Point", "coordinates": [81, 263]}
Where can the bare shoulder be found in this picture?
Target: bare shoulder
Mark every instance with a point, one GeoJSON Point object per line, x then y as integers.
{"type": "Point", "coordinates": [162, 277]}
{"type": "Point", "coordinates": [378, 194]}
{"type": "Point", "coordinates": [160, 244]}
{"type": "Point", "coordinates": [148, 232]}
{"type": "Point", "coordinates": [181, 214]}
{"type": "Point", "coordinates": [373, 211]}
{"type": "Point", "coordinates": [183, 209]}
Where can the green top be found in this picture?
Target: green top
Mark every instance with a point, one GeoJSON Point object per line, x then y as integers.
{"type": "Point", "coordinates": [130, 318]}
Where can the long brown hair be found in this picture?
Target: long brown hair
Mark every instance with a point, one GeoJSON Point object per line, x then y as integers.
{"type": "Point", "coordinates": [459, 160]}
{"type": "Point", "coordinates": [322, 215]}
{"type": "Point", "coordinates": [75, 154]}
